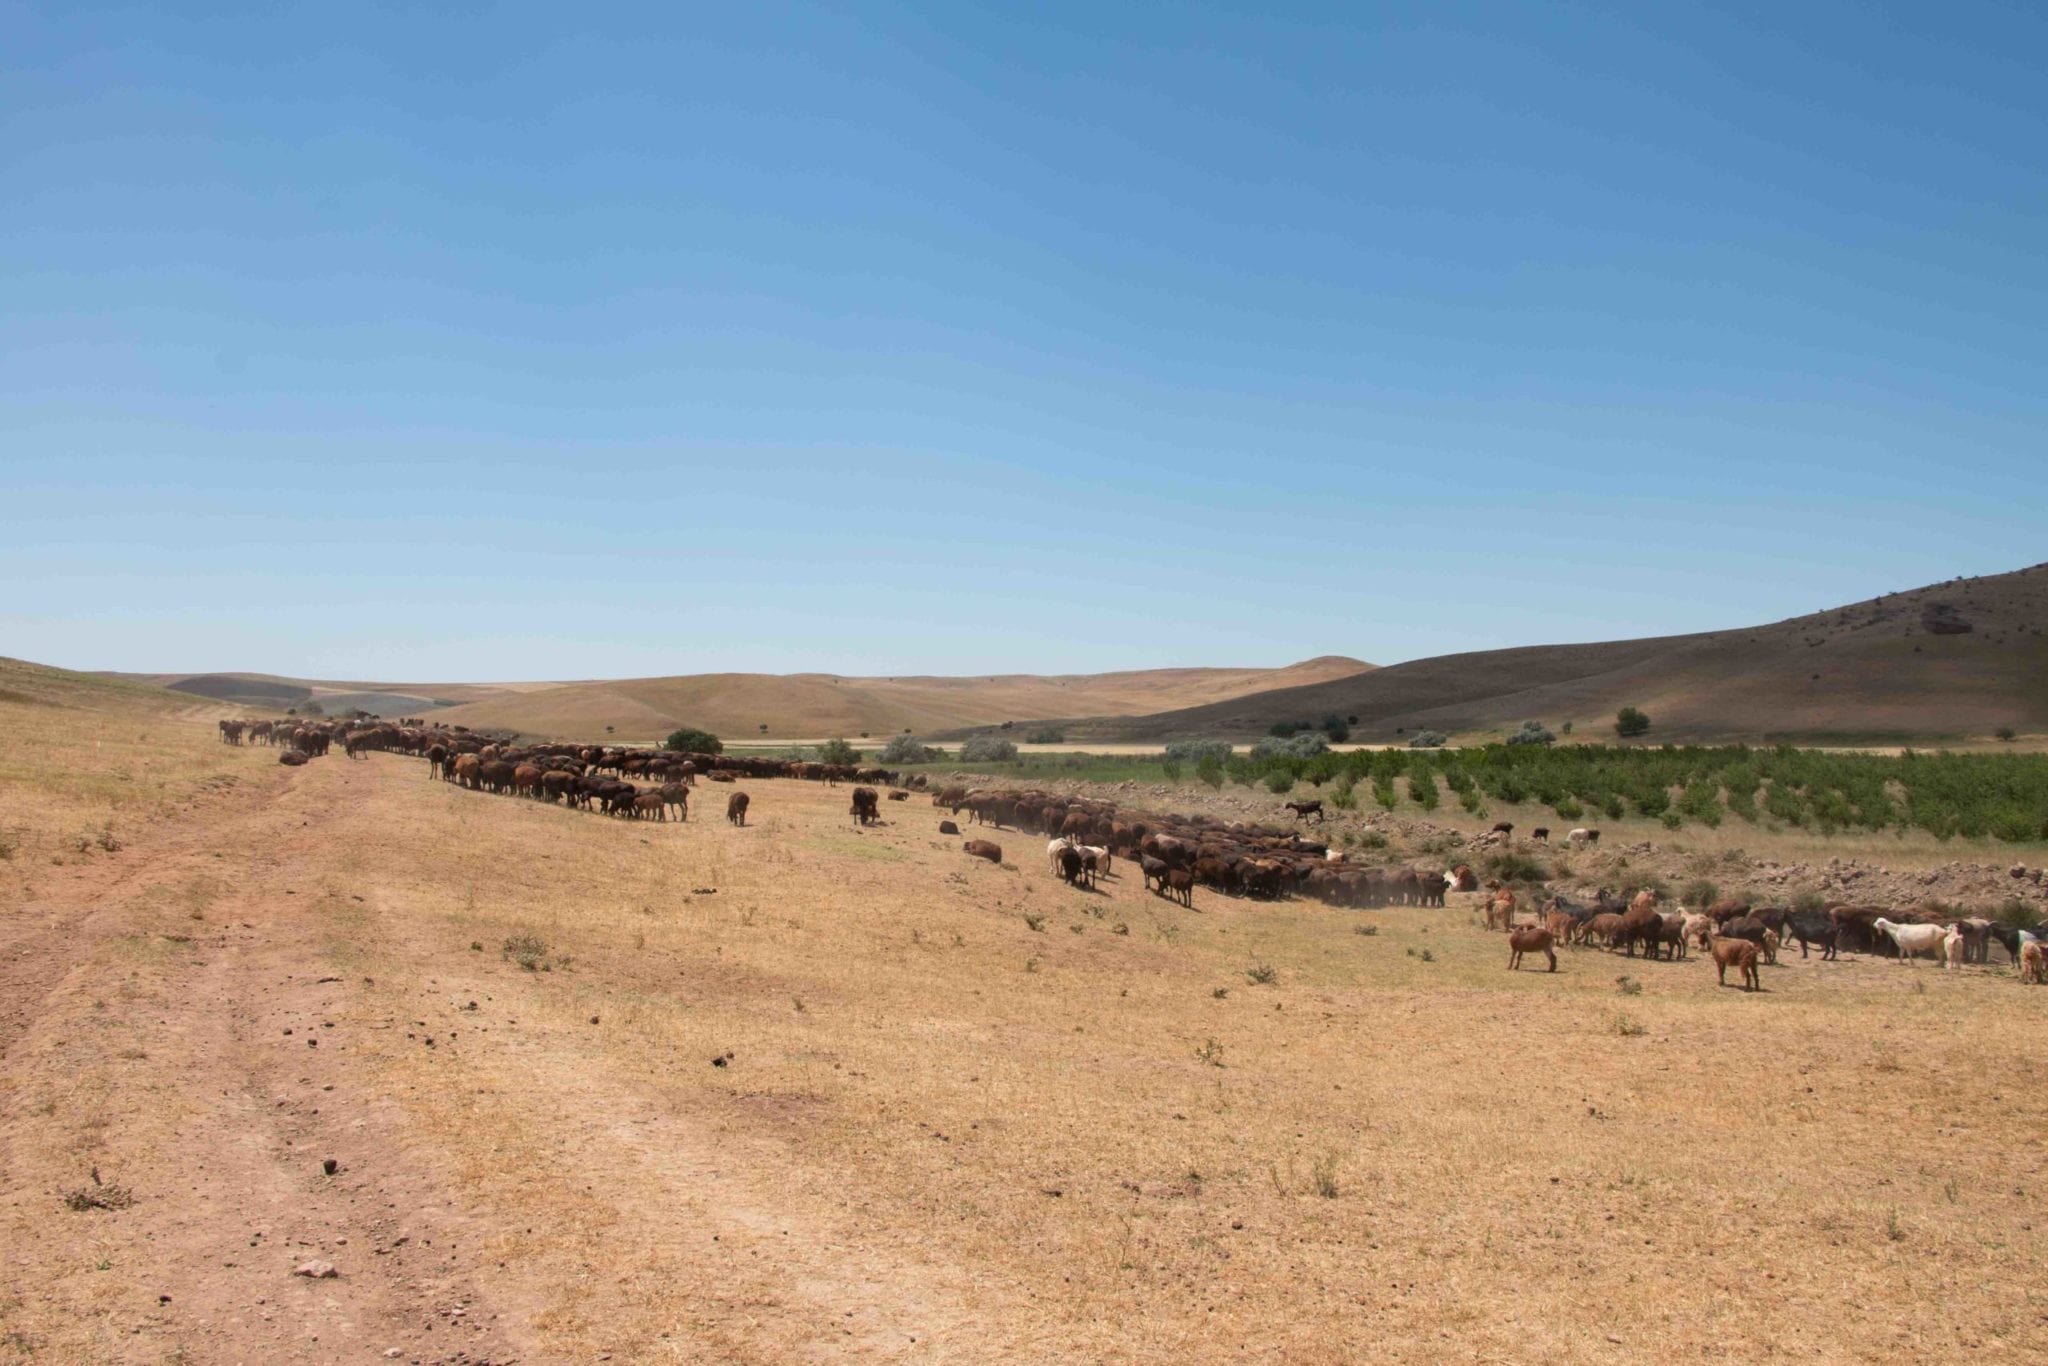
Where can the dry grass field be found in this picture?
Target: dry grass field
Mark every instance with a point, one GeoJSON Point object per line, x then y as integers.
{"type": "Point", "coordinates": [693, 1092]}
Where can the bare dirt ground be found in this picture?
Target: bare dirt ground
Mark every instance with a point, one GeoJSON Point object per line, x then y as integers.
{"type": "Point", "coordinates": [796, 1092]}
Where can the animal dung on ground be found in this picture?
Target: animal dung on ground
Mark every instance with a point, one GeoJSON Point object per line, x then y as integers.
{"type": "Point", "coordinates": [721, 1060]}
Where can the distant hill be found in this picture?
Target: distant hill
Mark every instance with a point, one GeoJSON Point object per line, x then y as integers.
{"type": "Point", "coordinates": [737, 705]}
{"type": "Point", "coordinates": [813, 706]}
{"type": "Point", "coordinates": [1955, 659]}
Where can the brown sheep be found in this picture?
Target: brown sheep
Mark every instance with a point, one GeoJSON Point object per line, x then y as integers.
{"type": "Point", "coordinates": [736, 808]}
{"type": "Point", "coordinates": [1737, 953]}
{"type": "Point", "coordinates": [1529, 939]}
{"type": "Point", "coordinates": [987, 849]}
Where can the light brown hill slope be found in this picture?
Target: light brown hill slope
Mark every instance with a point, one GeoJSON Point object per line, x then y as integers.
{"type": "Point", "coordinates": [811, 706]}
{"type": "Point", "coordinates": [40, 685]}
{"type": "Point", "coordinates": [1894, 667]}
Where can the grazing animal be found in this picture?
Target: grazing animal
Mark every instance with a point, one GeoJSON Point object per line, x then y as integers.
{"type": "Point", "coordinates": [1180, 884]}
{"type": "Point", "coordinates": [948, 828]}
{"type": "Point", "coordinates": [1952, 948]}
{"type": "Point", "coordinates": [2033, 962]}
{"type": "Point", "coordinates": [1506, 828]}
{"type": "Point", "coordinates": [1431, 888]}
{"type": "Point", "coordinates": [1583, 836]}
{"type": "Point", "coordinates": [1155, 871]}
{"type": "Point", "coordinates": [1055, 851]}
{"type": "Point", "coordinates": [1463, 878]}
{"type": "Point", "coordinates": [1740, 954]}
{"type": "Point", "coordinates": [1500, 909]}
{"type": "Point", "coordinates": [1541, 834]}
{"type": "Point", "coordinates": [231, 732]}
{"type": "Point", "coordinates": [1771, 942]}
{"type": "Point", "coordinates": [674, 795]}
{"type": "Point", "coordinates": [1815, 927]}
{"type": "Point", "coordinates": [291, 758]}
{"type": "Point", "coordinates": [1072, 867]}
{"type": "Point", "coordinates": [736, 808]}
{"type": "Point", "coordinates": [867, 806]}
{"type": "Point", "coordinates": [1098, 858]}
{"type": "Point", "coordinates": [1530, 939]}
{"type": "Point", "coordinates": [1560, 924]}
{"type": "Point", "coordinates": [1912, 939]}
{"type": "Point", "coordinates": [987, 849]}
{"type": "Point", "coordinates": [1605, 927]}
{"type": "Point", "coordinates": [1303, 810]}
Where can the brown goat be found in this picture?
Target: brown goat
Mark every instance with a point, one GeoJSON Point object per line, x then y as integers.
{"type": "Point", "coordinates": [1737, 953]}
{"type": "Point", "coordinates": [736, 808]}
{"type": "Point", "coordinates": [1529, 939]}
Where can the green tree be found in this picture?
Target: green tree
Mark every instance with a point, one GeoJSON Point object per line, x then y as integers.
{"type": "Point", "coordinates": [838, 752]}
{"type": "Point", "coordinates": [1629, 722]}
{"type": "Point", "coordinates": [689, 741]}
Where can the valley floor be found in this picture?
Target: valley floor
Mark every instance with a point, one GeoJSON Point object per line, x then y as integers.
{"type": "Point", "coordinates": [694, 1092]}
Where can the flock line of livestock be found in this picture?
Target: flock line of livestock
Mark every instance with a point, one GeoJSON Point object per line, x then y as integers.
{"type": "Point", "coordinates": [1177, 853]}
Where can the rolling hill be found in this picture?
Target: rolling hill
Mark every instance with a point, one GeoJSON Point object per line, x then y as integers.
{"type": "Point", "coordinates": [1955, 659]}
{"type": "Point", "coordinates": [792, 706]}
{"type": "Point", "coordinates": [40, 685]}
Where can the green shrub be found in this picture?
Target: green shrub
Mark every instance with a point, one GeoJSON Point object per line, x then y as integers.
{"type": "Point", "coordinates": [1630, 722]}
{"type": "Point", "coordinates": [1383, 792]}
{"type": "Point", "coordinates": [905, 749]}
{"type": "Point", "coordinates": [1699, 894]}
{"type": "Point", "coordinates": [1427, 739]}
{"type": "Point", "coordinates": [690, 741]}
{"type": "Point", "coordinates": [1046, 735]}
{"type": "Point", "coordinates": [1210, 771]}
{"type": "Point", "coordinates": [1532, 733]}
{"type": "Point", "coordinates": [987, 749]}
{"type": "Point", "coordinates": [1422, 791]}
{"type": "Point", "coordinates": [1305, 745]}
{"type": "Point", "coordinates": [1279, 781]}
{"type": "Point", "coordinates": [838, 752]}
{"type": "Point", "coordinates": [1510, 866]}
{"type": "Point", "coordinates": [1196, 751]}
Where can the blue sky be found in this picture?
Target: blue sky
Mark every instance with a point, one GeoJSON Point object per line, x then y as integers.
{"type": "Point", "coordinates": [539, 341]}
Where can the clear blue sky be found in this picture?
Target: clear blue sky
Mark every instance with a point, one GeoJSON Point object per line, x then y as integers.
{"type": "Point", "coordinates": [538, 341]}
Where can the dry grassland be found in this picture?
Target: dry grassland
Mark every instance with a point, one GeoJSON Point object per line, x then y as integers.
{"type": "Point", "coordinates": [965, 1113]}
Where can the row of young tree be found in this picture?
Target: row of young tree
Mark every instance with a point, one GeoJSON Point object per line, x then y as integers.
{"type": "Point", "coordinates": [2004, 796]}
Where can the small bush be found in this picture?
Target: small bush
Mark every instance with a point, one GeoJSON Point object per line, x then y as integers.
{"type": "Point", "coordinates": [1629, 1027]}
{"type": "Point", "coordinates": [10, 845]}
{"type": "Point", "coordinates": [1629, 986]}
{"type": "Point", "coordinates": [987, 749]}
{"type": "Point", "coordinates": [1280, 730]}
{"type": "Point", "coordinates": [1210, 1052]}
{"type": "Point", "coordinates": [1365, 929]}
{"type": "Point", "coordinates": [1630, 722]}
{"type": "Point", "coordinates": [1427, 739]}
{"type": "Point", "coordinates": [1336, 728]}
{"type": "Point", "coordinates": [1671, 820]}
{"type": "Point", "coordinates": [1046, 735]}
{"type": "Point", "coordinates": [1323, 1176]}
{"type": "Point", "coordinates": [1279, 782]}
{"type": "Point", "coordinates": [838, 752]}
{"type": "Point", "coordinates": [98, 1196]}
{"type": "Point", "coordinates": [692, 741]}
{"type": "Point", "coordinates": [1261, 975]}
{"type": "Point", "coordinates": [906, 749]}
{"type": "Point", "coordinates": [1532, 733]}
{"type": "Point", "coordinates": [1422, 791]}
{"type": "Point", "coordinates": [1199, 752]}
{"type": "Point", "coordinates": [527, 950]}
{"type": "Point", "coordinates": [1210, 772]}
{"type": "Point", "coordinates": [1303, 746]}
{"type": "Point", "coordinates": [1509, 866]}
{"type": "Point", "coordinates": [1171, 768]}
{"type": "Point", "coordinates": [1700, 893]}
{"type": "Point", "coordinates": [2006, 733]}
{"type": "Point", "coordinates": [1036, 922]}
{"type": "Point", "coordinates": [1372, 839]}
